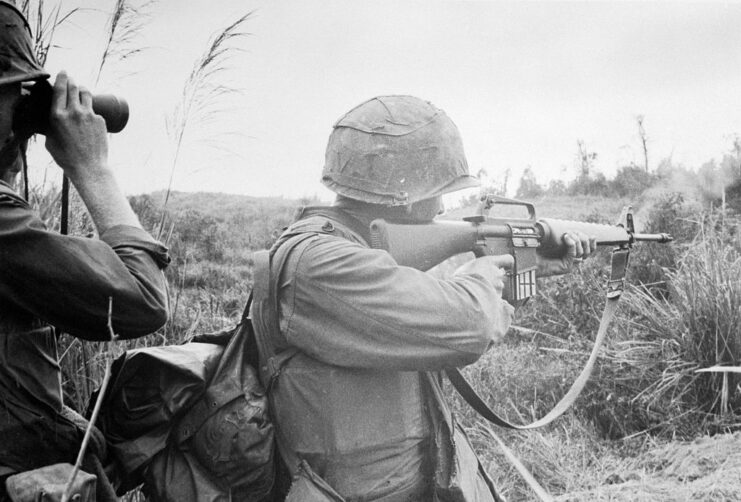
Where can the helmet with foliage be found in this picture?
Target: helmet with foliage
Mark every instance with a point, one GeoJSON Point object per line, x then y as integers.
{"type": "Point", "coordinates": [18, 62]}
{"type": "Point", "coordinates": [395, 150]}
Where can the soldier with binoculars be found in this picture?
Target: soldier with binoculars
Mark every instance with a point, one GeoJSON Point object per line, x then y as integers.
{"type": "Point", "coordinates": [52, 283]}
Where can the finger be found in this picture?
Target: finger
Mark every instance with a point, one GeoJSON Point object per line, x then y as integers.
{"type": "Point", "coordinates": [570, 245]}
{"type": "Point", "coordinates": [86, 98]}
{"type": "Point", "coordinates": [579, 248]}
{"type": "Point", "coordinates": [73, 94]}
{"type": "Point", "coordinates": [593, 243]}
{"type": "Point", "coordinates": [59, 94]}
{"type": "Point", "coordinates": [584, 241]}
{"type": "Point", "coordinates": [504, 261]}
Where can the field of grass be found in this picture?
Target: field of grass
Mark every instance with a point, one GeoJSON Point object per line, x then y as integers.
{"type": "Point", "coordinates": [643, 397]}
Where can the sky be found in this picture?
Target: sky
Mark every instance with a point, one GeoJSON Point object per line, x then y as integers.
{"type": "Point", "coordinates": [523, 81]}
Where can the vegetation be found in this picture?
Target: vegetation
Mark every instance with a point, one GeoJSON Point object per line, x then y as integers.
{"type": "Point", "coordinates": [681, 312]}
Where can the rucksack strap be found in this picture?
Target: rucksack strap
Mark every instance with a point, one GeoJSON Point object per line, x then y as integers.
{"type": "Point", "coordinates": [268, 267]}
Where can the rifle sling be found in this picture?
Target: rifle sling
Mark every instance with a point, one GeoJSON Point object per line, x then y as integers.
{"type": "Point", "coordinates": [619, 265]}
{"type": "Point", "coordinates": [477, 403]}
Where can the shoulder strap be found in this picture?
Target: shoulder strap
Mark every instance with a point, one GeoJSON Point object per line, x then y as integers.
{"type": "Point", "coordinates": [268, 266]}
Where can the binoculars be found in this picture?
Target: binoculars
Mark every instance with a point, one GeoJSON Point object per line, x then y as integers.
{"type": "Point", "coordinates": [31, 116]}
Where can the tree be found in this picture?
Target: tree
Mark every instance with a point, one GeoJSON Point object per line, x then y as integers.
{"type": "Point", "coordinates": [529, 187]}
{"type": "Point", "coordinates": [586, 182]}
{"type": "Point", "coordinates": [644, 140]}
{"type": "Point", "coordinates": [631, 181]}
{"type": "Point", "coordinates": [556, 188]}
{"type": "Point", "coordinates": [585, 159]}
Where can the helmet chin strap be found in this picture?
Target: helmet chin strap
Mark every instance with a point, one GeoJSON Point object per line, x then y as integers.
{"type": "Point", "coordinates": [24, 168]}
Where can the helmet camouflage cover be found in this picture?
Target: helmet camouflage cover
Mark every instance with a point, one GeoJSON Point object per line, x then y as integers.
{"type": "Point", "coordinates": [395, 150]}
{"type": "Point", "coordinates": [18, 62]}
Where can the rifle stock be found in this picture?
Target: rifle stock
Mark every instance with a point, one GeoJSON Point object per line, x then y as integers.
{"type": "Point", "coordinates": [422, 246]}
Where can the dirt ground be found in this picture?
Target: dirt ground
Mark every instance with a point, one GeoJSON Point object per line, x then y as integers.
{"type": "Point", "coordinates": [707, 469]}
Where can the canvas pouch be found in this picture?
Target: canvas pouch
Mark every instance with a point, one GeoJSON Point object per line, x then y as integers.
{"type": "Point", "coordinates": [47, 484]}
{"type": "Point", "coordinates": [307, 486]}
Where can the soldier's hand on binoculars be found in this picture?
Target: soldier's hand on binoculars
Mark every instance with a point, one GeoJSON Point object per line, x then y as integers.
{"type": "Point", "coordinates": [77, 138]}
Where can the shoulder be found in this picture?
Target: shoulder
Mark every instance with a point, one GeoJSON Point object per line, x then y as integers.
{"type": "Point", "coordinates": [326, 259]}
{"type": "Point", "coordinates": [312, 231]}
{"type": "Point", "coordinates": [324, 248]}
{"type": "Point", "coordinates": [322, 225]}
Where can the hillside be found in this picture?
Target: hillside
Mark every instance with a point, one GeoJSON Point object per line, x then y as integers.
{"type": "Point", "coordinates": [222, 205]}
{"type": "Point", "coordinates": [217, 227]}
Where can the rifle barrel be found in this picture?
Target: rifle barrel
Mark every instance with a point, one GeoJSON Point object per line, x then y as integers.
{"type": "Point", "coordinates": [661, 238]}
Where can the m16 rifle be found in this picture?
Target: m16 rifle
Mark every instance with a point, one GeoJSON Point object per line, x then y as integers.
{"type": "Point", "coordinates": [425, 245]}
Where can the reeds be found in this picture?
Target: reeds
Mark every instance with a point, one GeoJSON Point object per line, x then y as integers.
{"type": "Point", "coordinates": [205, 95]}
{"type": "Point", "coordinates": [123, 32]}
{"type": "Point", "coordinates": [668, 337]}
{"type": "Point", "coordinates": [44, 24]}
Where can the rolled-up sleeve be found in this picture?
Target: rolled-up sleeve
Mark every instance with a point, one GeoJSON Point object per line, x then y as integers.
{"type": "Point", "coordinates": [348, 305]}
{"type": "Point", "coordinates": [67, 281]}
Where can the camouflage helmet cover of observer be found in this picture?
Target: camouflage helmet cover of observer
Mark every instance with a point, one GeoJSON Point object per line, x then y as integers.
{"type": "Point", "coordinates": [18, 61]}
{"type": "Point", "coordinates": [395, 150]}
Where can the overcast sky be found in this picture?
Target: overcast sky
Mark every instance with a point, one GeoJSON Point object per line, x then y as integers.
{"type": "Point", "coordinates": [523, 81]}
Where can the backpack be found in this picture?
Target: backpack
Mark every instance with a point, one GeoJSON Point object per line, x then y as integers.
{"type": "Point", "coordinates": [191, 421]}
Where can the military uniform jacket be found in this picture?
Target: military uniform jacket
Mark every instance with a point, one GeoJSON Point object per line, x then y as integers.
{"type": "Point", "coordinates": [350, 343]}
{"type": "Point", "coordinates": [49, 282]}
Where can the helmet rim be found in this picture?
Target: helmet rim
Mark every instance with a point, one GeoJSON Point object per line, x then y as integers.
{"type": "Point", "coordinates": [395, 150]}
{"type": "Point", "coordinates": [18, 62]}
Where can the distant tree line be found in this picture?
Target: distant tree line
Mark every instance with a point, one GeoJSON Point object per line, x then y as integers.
{"type": "Point", "coordinates": [714, 182]}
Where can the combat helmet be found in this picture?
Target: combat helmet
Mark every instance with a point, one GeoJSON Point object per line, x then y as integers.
{"type": "Point", "coordinates": [395, 150]}
{"type": "Point", "coordinates": [18, 62]}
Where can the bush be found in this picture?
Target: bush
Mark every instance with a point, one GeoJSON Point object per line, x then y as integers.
{"type": "Point", "coordinates": [631, 181]}
{"type": "Point", "coordinates": [588, 184]}
{"type": "Point", "coordinates": [670, 213]}
{"type": "Point", "coordinates": [733, 196]}
{"type": "Point", "coordinates": [648, 379]}
{"type": "Point", "coordinates": [529, 187]}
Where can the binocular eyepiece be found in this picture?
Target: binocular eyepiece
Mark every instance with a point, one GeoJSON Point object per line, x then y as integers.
{"type": "Point", "coordinates": [32, 113]}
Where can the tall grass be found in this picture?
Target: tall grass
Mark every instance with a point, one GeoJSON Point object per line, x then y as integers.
{"type": "Point", "coordinates": [44, 23]}
{"type": "Point", "coordinates": [204, 97]}
{"type": "Point", "coordinates": [647, 380]}
{"type": "Point", "coordinates": [123, 33]}
{"type": "Point", "coordinates": [702, 319]}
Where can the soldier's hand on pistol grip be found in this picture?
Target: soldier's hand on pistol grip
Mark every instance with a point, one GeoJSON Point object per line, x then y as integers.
{"type": "Point", "coordinates": [494, 267]}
